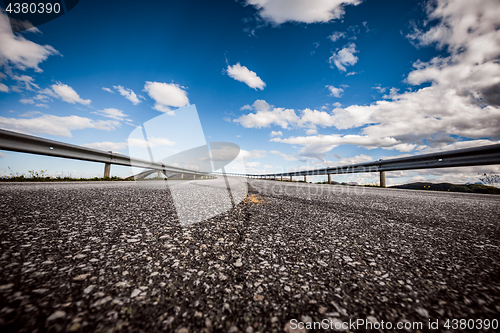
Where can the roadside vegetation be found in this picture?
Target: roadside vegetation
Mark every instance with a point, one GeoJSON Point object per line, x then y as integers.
{"type": "Point", "coordinates": [469, 188]}
{"type": "Point", "coordinates": [42, 176]}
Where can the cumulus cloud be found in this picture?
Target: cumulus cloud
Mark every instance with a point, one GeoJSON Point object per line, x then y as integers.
{"type": "Point", "coordinates": [4, 88]}
{"type": "Point", "coordinates": [274, 133]}
{"type": "Point", "coordinates": [336, 92]}
{"type": "Point", "coordinates": [19, 52]}
{"type": "Point", "coordinates": [243, 74]}
{"type": "Point", "coordinates": [112, 113]}
{"type": "Point", "coordinates": [55, 125]}
{"type": "Point", "coordinates": [462, 98]}
{"type": "Point", "coordinates": [323, 143]}
{"type": "Point", "coordinates": [68, 94]}
{"type": "Point", "coordinates": [344, 57]}
{"type": "Point", "coordinates": [108, 90]}
{"type": "Point", "coordinates": [166, 95]}
{"type": "Point", "coordinates": [128, 94]}
{"type": "Point", "coordinates": [306, 11]}
{"type": "Point", "coordinates": [265, 115]}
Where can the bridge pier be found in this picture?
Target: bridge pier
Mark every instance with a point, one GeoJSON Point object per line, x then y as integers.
{"type": "Point", "coordinates": [291, 178]}
{"type": "Point", "coordinates": [305, 179]}
{"type": "Point", "coordinates": [107, 169]}
{"type": "Point", "coordinates": [281, 178]}
{"type": "Point", "coordinates": [382, 178]}
{"type": "Point", "coordinates": [329, 178]}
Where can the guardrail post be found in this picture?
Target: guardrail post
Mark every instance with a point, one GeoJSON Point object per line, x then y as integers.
{"type": "Point", "coordinates": [329, 178]}
{"type": "Point", "coordinates": [107, 169]}
{"type": "Point", "coordinates": [291, 178]}
{"type": "Point", "coordinates": [382, 178]}
{"type": "Point", "coordinates": [305, 179]}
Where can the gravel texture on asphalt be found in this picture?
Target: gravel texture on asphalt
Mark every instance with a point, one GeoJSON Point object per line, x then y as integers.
{"type": "Point", "coordinates": [112, 256]}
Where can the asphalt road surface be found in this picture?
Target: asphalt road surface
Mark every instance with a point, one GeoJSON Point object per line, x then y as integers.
{"type": "Point", "coordinates": [113, 256]}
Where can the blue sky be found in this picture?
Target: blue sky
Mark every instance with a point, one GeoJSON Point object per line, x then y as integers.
{"type": "Point", "coordinates": [300, 84]}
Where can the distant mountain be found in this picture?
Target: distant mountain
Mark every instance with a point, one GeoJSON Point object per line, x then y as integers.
{"type": "Point", "coordinates": [469, 188]}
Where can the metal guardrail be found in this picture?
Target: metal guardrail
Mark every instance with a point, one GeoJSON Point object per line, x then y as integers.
{"type": "Point", "coordinates": [483, 155]}
{"type": "Point", "coordinates": [24, 143]}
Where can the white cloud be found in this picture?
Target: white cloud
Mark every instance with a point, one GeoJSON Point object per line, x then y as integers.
{"type": "Point", "coordinates": [393, 93]}
{"type": "Point", "coordinates": [336, 36]}
{"type": "Point", "coordinates": [30, 114]}
{"type": "Point", "coordinates": [128, 94]}
{"type": "Point", "coordinates": [278, 133]}
{"type": "Point", "coordinates": [45, 95]}
{"type": "Point", "coordinates": [266, 115]}
{"type": "Point", "coordinates": [41, 105]}
{"type": "Point", "coordinates": [251, 164]}
{"type": "Point", "coordinates": [463, 98]}
{"type": "Point", "coordinates": [336, 92]}
{"type": "Point", "coordinates": [349, 160]}
{"type": "Point", "coordinates": [108, 90]}
{"type": "Point", "coordinates": [344, 57]}
{"type": "Point", "coordinates": [380, 89]}
{"type": "Point", "coordinates": [278, 116]}
{"type": "Point", "coordinates": [4, 88]}
{"type": "Point", "coordinates": [132, 142]}
{"type": "Point", "coordinates": [245, 154]}
{"type": "Point", "coordinates": [26, 101]}
{"type": "Point", "coordinates": [166, 95]}
{"type": "Point", "coordinates": [107, 146]}
{"type": "Point", "coordinates": [55, 125]}
{"type": "Point", "coordinates": [26, 81]}
{"type": "Point", "coordinates": [68, 94]}
{"type": "Point", "coordinates": [320, 144]}
{"type": "Point", "coordinates": [243, 74]}
{"type": "Point", "coordinates": [19, 52]}
{"type": "Point", "coordinates": [312, 131]}
{"type": "Point", "coordinates": [112, 113]}
{"type": "Point", "coordinates": [307, 11]}
{"type": "Point", "coordinates": [286, 157]}
{"type": "Point", "coordinates": [151, 142]}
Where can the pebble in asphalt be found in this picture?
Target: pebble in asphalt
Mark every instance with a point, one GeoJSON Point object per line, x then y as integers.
{"type": "Point", "coordinates": [112, 256]}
